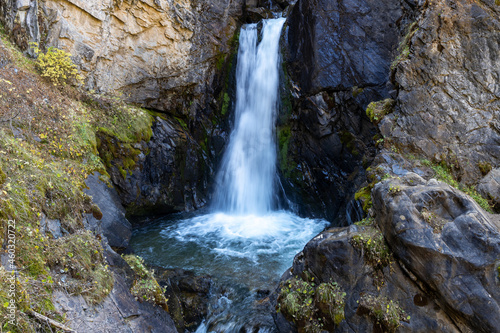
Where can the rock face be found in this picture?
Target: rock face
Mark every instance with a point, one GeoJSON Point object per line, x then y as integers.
{"type": "Point", "coordinates": [161, 54]}
{"type": "Point", "coordinates": [432, 252]}
{"type": "Point", "coordinates": [113, 224]}
{"type": "Point", "coordinates": [448, 243]}
{"type": "Point", "coordinates": [118, 312]}
{"type": "Point", "coordinates": [337, 56]}
{"type": "Point", "coordinates": [170, 175]}
{"type": "Point", "coordinates": [448, 107]}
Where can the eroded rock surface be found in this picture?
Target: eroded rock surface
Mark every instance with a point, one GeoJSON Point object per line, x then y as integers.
{"type": "Point", "coordinates": [448, 82]}
{"type": "Point", "coordinates": [431, 250]}
{"type": "Point", "coordinates": [161, 54]}
{"type": "Point", "coordinates": [448, 243]}
{"type": "Point", "coordinates": [337, 55]}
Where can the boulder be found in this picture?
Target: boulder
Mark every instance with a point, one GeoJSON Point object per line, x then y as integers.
{"type": "Point", "coordinates": [333, 257]}
{"type": "Point", "coordinates": [445, 239]}
{"type": "Point", "coordinates": [489, 187]}
{"type": "Point", "coordinates": [187, 294]}
{"type": "Point", "coordinates": [115, 227]}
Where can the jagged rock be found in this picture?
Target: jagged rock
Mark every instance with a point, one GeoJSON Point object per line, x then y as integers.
{"type": "Point", "coordinates": [447, 242]}
{"type": "Point", "coordinates": [161, 54]}
{"type": "Point", "coordinates": [489, 187]}
{"type": "Point", "coordinates": [449, 96]}
{"type": "Point", "coordinates": [338, 55]}
{"type": "Point", "coordinates": [170, 174]}
{"type": "Point", "coordinates": [187, 294]}
{"type": "Point", "coordinates": [115, 226]}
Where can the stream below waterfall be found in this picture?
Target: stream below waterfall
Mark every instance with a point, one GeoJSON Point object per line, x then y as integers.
{"type": "Point", "coordinates": [245, 241]}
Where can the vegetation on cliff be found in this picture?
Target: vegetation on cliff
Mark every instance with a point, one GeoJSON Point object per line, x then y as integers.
{"type": "Point", "coordinates": [48, 146]}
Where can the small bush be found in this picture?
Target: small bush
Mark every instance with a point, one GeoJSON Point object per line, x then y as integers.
{"type": "Point", "coordinates": [312, 308]}
{"type": "Point", "coordinates": [387, 313]}
{"type": "Point", "coordinates": [145, 287]}
{"type": "Point", "coordinates": [57, 66]}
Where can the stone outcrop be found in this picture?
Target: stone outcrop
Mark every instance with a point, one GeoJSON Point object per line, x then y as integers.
{"type": "Point", "coordinates": [448, 243]}
{"type": "Point", "coordinates": [112, 223]}
{"type": "Point", "coordinates": [170, 172]}
{"type": "Point", "coordinates": [120, 311]}
{"type": "Point", "coordinates": [161, 54]}
{"type": "Point", "coordinates": [430, 252]}
{"type": "Point", "coordinates": [447, 76]}
{"type": "Point", "coordinates": [337, 57]}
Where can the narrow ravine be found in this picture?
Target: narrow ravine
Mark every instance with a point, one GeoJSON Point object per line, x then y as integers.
{"type": "Point", "coordinates": [246, 241]}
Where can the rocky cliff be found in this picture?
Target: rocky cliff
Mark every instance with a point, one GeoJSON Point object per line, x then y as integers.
{"type": "Point", "coordinates": [160, 54]}
{"type": "Point", "coordinates": [426, 258]}
{"type": "Point", "coordinates": [337, 56]}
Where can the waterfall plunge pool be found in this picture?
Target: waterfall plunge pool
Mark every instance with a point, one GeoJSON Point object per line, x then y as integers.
{"type": "Point", "coordinates": [244, 254]}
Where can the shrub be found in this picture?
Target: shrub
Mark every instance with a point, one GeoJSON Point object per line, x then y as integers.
{"type": "Point", "coordinates": [387, 313]}
{"type": "Point", "coordinates": [145, 287]}
{"type": "Point", "coordinates": [57, 66]}
{"type": "Point", "coordinates": [313, 308]}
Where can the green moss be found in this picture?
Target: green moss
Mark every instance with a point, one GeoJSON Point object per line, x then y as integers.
{"type": "Point", "coordinates": [386, 313]}
{"type": "Point", "coordinates": [373, 246]}
{"type": "Point", "coordinates": [330, 299]}
{"type": "Point", "coordinates": [145, 286]}
{"type": "Point", "coordinates": [356, 91]}
{"type": "Point", "coordinates": [367, 221]}
{"type": "Point", "coordinates": [484, 167]}
{"type": "Point", "coordinates": [443, 173]}
{"type": "Point", "coordinates": [287, 165]}
{"type": "Point", "coordinates": [349, 140]}
{"type": "Point", "coordinates": [225, 104]}
{"type": "Point", "coordinates": [404, 46]}
{"type": "Point", "coordinates": [497, 2]}
{"type": "Point", "coordinates": [376, 111]}
{"type": "Point", "coordinates": [311, 307]}
{"type": "Point", "coordinates": [365, 196]}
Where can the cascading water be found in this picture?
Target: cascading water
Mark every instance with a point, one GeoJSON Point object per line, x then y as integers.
{"type": "Point", "coordinates": [244, 243]}
{"type": "Point", "coordinates": [246, 178]}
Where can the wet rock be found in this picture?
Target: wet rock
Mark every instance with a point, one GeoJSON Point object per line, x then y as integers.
{"type": "Point", "coordinates": [332, 257]}
{"type": "Point", "coordinates": [115, 227]}
{"type": "Point", "coordinates": [170, 174]}
{"type": "Point", "coordinates": [448, 106]}
{"type": "Point", "coordinates": [448, 243]}
{"type": "Point", "coordinates": [337, 59]}
{"type": "Point", "coordinates": [489, 187]}
{"type": "Point", "coordinates": [187, 294]}
{"type": "Point", "coordinates": [258, 14]}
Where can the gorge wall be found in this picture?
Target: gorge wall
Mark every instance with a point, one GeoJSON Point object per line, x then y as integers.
{"type": "Point", "coordinates": [426, 257]}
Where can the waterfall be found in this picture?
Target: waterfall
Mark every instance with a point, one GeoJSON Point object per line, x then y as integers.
{"type": "Point", "coordinates": [245, 243]}
{"type": "Point", "coordinates": [246, 179]}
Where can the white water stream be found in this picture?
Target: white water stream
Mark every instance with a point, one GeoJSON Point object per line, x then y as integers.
{"type": "Point", "coordinates": [245, 243]}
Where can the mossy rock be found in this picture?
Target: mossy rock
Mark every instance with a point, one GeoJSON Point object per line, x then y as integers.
{"type": "Point", "coordinates": [376, 111]}
{"type": "Point", "coordinates": [365, 196]}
